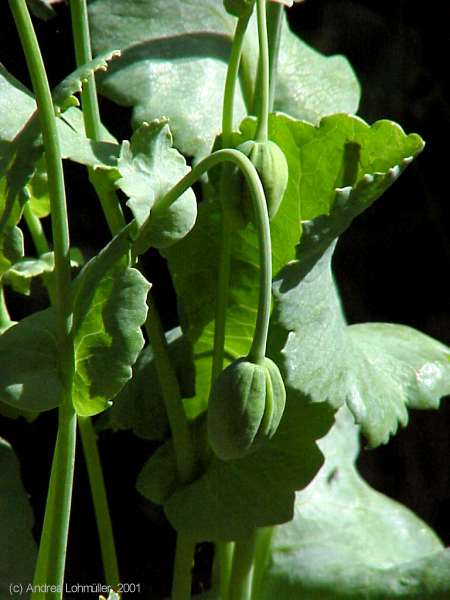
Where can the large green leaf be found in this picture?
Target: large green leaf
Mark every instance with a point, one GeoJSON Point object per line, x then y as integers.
{"type": "Point", "coordinates": [174, 64]}
{"type": "Point", "coordinates": [232, 498]}
{"type": "Point", "coordinates": [348, 541]}
{"type": "Point", "coordinates": [17, 547]}
{"type": "Point", "coordinates": [109, 309]}
{"type": "Point", "coordinates": [378, 369]}
{"type": "Point", "coordinates": [319, 162]}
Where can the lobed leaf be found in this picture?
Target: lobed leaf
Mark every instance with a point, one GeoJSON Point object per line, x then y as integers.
{"type": "Point", "coordinates": [377, 369]}
{"type": "Point", "coordinates": [348, 541]}
{"type": "Point", "coordinates": [149, 167]}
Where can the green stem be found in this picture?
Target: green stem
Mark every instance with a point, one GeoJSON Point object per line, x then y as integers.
{"type": "Point", "coordinates": [231, 80]}
{"type": "Point", "coordinates": [182, 576]}
{"type": "Point", "coordinates": [263, 542]}
{"type": "Point", "coordinates": [91, 115]}
{"type": "Point", "coordinates": [258, 348]}
{"type": "Point", "coordinates": [181, 436]}
{"type": "Point", "coordinates": [35, 229]}
{"type": "Point", "coordinates": [263, 114]}
{"type": "Point", "coordinates": [52, 552]}
{"type": "Point", "coordinates": [242, 570]}
{"type": "Point", "coordinates": [275, 14]}
{"type": "Point", "coordinates": [99, 497]}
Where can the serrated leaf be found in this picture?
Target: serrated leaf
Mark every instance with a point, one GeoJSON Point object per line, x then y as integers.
{"type": "Point", "coordinates": [378, 369]}
{"type": "Point", "coordinates": [174, 64]}
{"type": "Point", "coordinates": [17, 548]}
{"type": "Point", "coordinates": [139, 406]}
{"type": "Point", "coordinates": [149, 167]}
{"type": "Point", "coordinates": [109, 308]}
{"type": "Point", "coordinates": [348, 541]}
{"type": "Point", "coordinates": [232, 498]}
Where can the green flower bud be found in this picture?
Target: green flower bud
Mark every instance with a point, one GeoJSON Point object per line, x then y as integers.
{"type": "Point", "coordinates": [271, 164]}
{"type": "Point", "coordinates": [239, 8]}
{"type": "Point", "coordinates": [245, 408]}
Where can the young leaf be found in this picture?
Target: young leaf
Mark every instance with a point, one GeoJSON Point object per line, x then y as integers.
{"type": "Point", "coordinates": [148, 168]}
{"type": "Point", "coordinates": [140, 406]}
{"type": "Point", "coordinates": [378, 369]}
{"type": "Point", "coordinates": [174, 63]}
{"type": "Point", "coordinates": [348, 541]}
{"type": "Point", "coordinates": [17, 547]}
{"type": "Point", "coordinates": [232, 498]}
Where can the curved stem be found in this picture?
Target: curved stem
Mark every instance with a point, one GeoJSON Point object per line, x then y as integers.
{"type": "Point", "coordinates": [258, 348]}
{"type": "Point", "coordinates": [263, 113]}
{"type": "Point", "coordinates": [52, 552]}
{"type": "Point", "coordinates": [275, 14]}
{"type": "Point", "coordinates": [242, 570]}
{"type": "Point", "coordinates": [5, 319]}
{"type": "Point", "coordinates": [184, 556]}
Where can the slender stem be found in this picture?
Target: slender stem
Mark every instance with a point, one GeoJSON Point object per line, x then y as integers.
{"type": "Point", "coordinates": [263, 114]}
{"type": "Point", "coordinates": [232, 78]}
{"type": "Point", "coordinates": [52, 552]}
{"type": "Point", "coordinates": [35, 229]}
{"type": "Point", "coordinates": [83, 54]}
{"type": "Point", "coordinates": [91, 115]}
{"type": "Point", "coordinates": [275, 14]}
{"type": "Point", "coordinates": [263, 542]}
{"type": "Point", "coordinates": [242, 569]}
{"type": "Point", "coordinates": [181, 583]}
{"type": "Point", "coordinates": [181, 436]}
{"type": "Point", "coordinates": [99, 497]}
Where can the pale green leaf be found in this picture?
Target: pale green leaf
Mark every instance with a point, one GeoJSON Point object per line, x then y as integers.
{"type": "Point", "coordinates": [348, 541]}
{"type": "Point", "coordinates": [378, 369]}
{"type": "Point", "coordinates": [174, 64]}
{"type": "Point", "coordinates": [149, 167]}
{"type": "Point", "coordinates": [17, 548]}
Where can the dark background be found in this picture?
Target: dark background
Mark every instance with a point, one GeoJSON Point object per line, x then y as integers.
{"type": "Point", "coordinates": [393, 265]}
